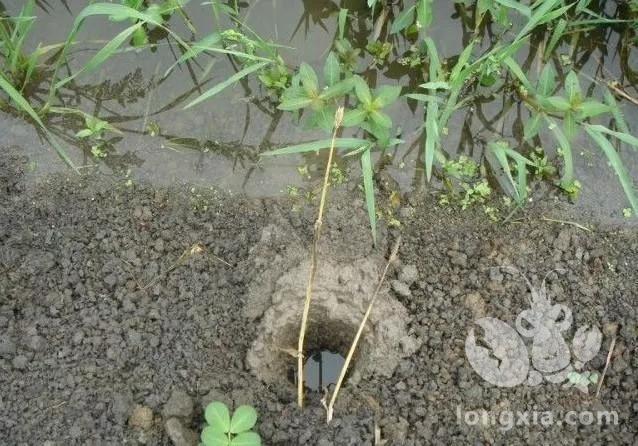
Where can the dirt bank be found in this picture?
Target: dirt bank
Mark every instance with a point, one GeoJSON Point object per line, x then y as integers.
{"type": "Point", "coordinates": [114, 297]}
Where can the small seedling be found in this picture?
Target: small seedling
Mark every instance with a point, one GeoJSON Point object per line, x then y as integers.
{"type": "Point", "coordinates": [582, 380]}
{"type": "Point", "coordinates": [95, 128]}
{"type": "Point", "coordinates": [379, 51]}
{"type": "Point", "coordinates": [224, 430]}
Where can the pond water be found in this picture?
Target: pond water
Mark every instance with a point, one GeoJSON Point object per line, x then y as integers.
{"type": "Point", "coordinates": [218, 142]}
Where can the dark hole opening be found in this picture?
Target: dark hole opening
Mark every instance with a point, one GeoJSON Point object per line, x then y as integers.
{"type": "Point", "coordinates": [321, 369]}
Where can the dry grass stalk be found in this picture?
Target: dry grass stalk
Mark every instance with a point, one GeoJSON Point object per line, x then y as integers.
{"type": "Point", "coordinates": [353, 347]}
{"type": "Point", "coordinates": [611, 351]}
{"type": "Point", "coordinates": [313, 260]}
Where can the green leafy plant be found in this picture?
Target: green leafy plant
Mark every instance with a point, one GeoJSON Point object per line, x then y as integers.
{"type": "Point", "coordinates": [276, 77]}
{"type": "Point", "coordinates": [320, 102]}
{"type": "Point", "coordinates": [20, 67]}
{"type": "Point", "coordinates": [224, 430]}
{"type": "Point", "coordinates": [379, 51]}
{"type": "Point", "coordinates": [575, 111]}
{"type": "Point", "coordinates": [503, 153]}
{"type": "Point", "coordinates": [368, 114]}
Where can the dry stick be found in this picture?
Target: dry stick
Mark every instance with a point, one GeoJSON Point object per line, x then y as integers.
{"type": "Point", "coordinates": [313, 260]}
{"type": "Point", "coordinates": [611, 351]}
{"type": "Point", "coordinates": [353, 347]}
{"type": "Point", "coordinates": [566, 222]}
{"type": "Point", "coordinates": [622, 93]}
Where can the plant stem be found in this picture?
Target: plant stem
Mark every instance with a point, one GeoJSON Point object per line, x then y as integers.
{"type": "Point", "coordinates": [342, 375]}
{"type": "Point", "coordinates": [313, 260]}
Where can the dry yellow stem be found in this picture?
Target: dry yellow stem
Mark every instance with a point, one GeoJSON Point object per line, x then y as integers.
{"type": "Point", "coordinates": [353, 347]}
{"type": "Point", "coordinates": [313, 260]}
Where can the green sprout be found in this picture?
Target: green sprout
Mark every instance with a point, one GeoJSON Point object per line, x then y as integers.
{"type": "Point", "coordinates": [222, 430]}
{"type": "Point", "coordinates": [379, 51]}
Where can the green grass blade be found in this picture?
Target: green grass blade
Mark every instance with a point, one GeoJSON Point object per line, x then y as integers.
{"type": "Point", "coordinates": [114, 11]}
{"type": "Point", "coordinates": [566, 148]}
{"type": "Point", "coordinates": [423, 97]}
{"type": "Point", "coordinates": [21, 31]}
{"type": "Point", "coordinates": [368, 187]}
{"type": "Point", "coordinates": [543, 14]}
{"type": "Point", "coordinates": [499, 149]}
{"type": "Point", "coordinates": [340, 143]}
{"type": "Point", "coordinates": [103, 54]}
{"type": "Point", "coordinates": [557, 34]}
{"type": "Point", "coordinates": [617, 164]}
{"type": "Point", "coordinates": [516, 70]}
{"type": "Point", "coordinates": [343, 16]}
{"type": "Point", "coordinates": [624, 137]}
{"type": "Point", "coordinates": [616, 112]}
{"type": "Point", "coordinates": [459, 75]}
{"type": "Point", "coordinates": [432, 136]}
{"type": "Point", "coordinates": [403, 20]}
{"type": "Point", "coordinates": [435, 61]}
{"type": "Point", "coordinates": [518, 6]}
{"type": "Point", "coordinates": [24, 105]}
{"type": "Point", "coordinates": [231, 80]}
{"type": "Point", "coordinates": [20, 100]}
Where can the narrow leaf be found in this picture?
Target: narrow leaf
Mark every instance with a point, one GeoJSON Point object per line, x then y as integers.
{"type": "Point", "coordinates": [387, 94]}
{"type": "Point", "coordinates": [547, 80]}
{"type": "Point", "coordinates": [566, 149]}
{"type": "Point", "coordinates": [589, 109]}
{"type": "Point", "coordinates": [532, 126]}
{"type": "Point", "coordinates": [368, 186]}
{"type": "Point", "coordinates": [339, 89]}
{"type": "Point", "coordinates": [624, 137]}
{"type": "Point", "coordinates": [231, 80]}
{"type": "Point", "coordinates": [340, 143]}
{"type": "Point", "coordinates": [354, 117]}
{"type": "Point", "coordinates": [362, 90]}
{"type": "Point", "coordinates": [403, 20]}
{"type": "Point", "coordinates": [331, 70]}
{"type": "Point", "coordinates": [106, 52]}
{"type": "Point", "coordinates": [308, 78]}
{"type": "Point", "coordinates": [343, 16]}
{"type": "Point", "coordinates": [617, 164]}
{"type": "Point", "coordinates": [381, 119]}
{"type": "Point", "coordinates": [24, 105]}
{"type": "Point", "coordinates": [294, 98]}
{"type": "Point", "coordinates": [436, 85]}
{"type": "Point", "coordinates": [431, 136]}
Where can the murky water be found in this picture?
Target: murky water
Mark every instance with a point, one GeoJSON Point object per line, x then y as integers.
{"type": "Point", "coordinates": [218, 142]}
{"type": "Point", "coordinates": [322, 369]}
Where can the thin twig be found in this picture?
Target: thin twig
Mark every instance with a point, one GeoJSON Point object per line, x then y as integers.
{"type": "Point", "coordinates": [611, 351]}
{"type": "Point", "coordinates": [620, 92]}
{"type": "Point", "coordinates": [353, 347]}
{"type": "Point", "coordinates": [511, 214]}
{"type": "Point", "coordinates": [313, 260]}
{"type": "Point", "coordinates": [566, 222]}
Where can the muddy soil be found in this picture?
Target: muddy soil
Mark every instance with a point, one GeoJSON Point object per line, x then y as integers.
{"type": "Point", "coordinates": [123, 312]}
